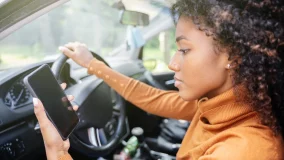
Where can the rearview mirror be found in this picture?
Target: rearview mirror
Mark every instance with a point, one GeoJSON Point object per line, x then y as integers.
{"type": "Point", "coordinates": [134, 18]}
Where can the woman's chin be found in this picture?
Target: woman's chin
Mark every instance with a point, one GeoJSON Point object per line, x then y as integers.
{"type": "Point", "coordinates": [187, 96]}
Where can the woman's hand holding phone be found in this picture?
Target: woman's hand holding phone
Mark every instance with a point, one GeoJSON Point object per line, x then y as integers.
{"type": "Point", "coordinates": [54, 145]}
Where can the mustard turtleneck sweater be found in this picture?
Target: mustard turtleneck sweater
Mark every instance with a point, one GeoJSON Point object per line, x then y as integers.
{"type": "Point", "coordinates": [220, 128]}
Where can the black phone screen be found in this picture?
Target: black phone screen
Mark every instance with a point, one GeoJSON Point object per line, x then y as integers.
{"type": "Point", "coordinates": [59, 109]}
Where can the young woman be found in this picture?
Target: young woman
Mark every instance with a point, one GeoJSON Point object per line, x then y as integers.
{"type": "Point", "coordinates": [229, 72]}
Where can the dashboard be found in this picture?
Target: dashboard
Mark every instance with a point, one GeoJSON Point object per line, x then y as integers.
{"type": "Point", "coordinates": [17, 120]}
{"type": "Point", "coordinates": [18, 95]}
{"type": "Point", "coordinates": [18, 137]}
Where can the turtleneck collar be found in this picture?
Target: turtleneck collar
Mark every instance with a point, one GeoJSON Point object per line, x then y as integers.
{"type": "Point", "coordinates": [223, 108]}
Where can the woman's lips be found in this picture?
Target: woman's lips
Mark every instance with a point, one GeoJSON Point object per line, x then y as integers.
{"type": "Point", "coordinates": [178, 82]}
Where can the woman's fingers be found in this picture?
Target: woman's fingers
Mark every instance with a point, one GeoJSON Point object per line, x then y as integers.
{"type": "Point", "coordinates": [75, 108]}
{"type": "Point", "coordinates": [63, 85]}
{"type": "Point", "coordinates": [66, 51]}
{"type": "Point", "coordinates": [40, 112]}
{"type": "Point", "coordinates": [70, 97]}
{"type": "Point", "coordinates": [71, 46]}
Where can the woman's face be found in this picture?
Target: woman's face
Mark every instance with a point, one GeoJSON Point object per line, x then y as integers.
{"type": "Point", "coordinates": [199, 70]}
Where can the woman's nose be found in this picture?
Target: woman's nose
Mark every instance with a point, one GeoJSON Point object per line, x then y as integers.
{"type": "Point", "coordinates": [174, 63]}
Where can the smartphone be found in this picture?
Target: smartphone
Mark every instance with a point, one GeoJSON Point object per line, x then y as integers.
{"type": "Point", "coordinates": [43, 85]}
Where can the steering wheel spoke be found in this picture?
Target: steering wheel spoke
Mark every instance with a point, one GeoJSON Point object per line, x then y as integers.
{"type": "Point", "coordinates": [116, 110]}
{"type": "Point", "coordinates": [94, 136]}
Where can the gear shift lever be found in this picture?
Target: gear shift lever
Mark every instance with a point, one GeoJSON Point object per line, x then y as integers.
{"type": "Point", "coordinates": [143, 152]}
{"type": "Point", "coordinates": [132, 149]}
{"type": "Point", "coordinates": [139, 133]}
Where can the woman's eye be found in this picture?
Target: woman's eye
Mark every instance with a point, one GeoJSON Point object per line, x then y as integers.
{"type": "Point", "coordinates": [183, 51]}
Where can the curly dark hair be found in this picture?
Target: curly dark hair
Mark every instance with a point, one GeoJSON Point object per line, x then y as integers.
{"type": "Point", "coordinates": [252, 32]}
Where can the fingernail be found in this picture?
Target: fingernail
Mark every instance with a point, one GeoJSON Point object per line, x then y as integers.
{"type": "Point", "coordinates": [35, 102]}
{"type": "Point", "coordinates": [61, 48]}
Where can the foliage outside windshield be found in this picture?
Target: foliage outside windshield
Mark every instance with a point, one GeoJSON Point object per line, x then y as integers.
{"type": "Point", "coordinates": [92, 22]}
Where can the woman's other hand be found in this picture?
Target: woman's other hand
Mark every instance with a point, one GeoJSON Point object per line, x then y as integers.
{"type": "Point", "coordinates": [78, 52]}
{"type": "Point", "coordinates": [54, 145]}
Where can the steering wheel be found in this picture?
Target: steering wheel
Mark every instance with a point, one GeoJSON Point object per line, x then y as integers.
{"type": "Point", "coordinates": [98, 104]}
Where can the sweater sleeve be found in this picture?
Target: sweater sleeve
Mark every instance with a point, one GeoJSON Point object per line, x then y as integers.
{"type": "Point", "coordinates": [65, 157]}
{"type": "Point", "coordinates": [155, 101]}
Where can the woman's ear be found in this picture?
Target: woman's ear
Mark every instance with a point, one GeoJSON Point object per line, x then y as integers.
{"type": "Point", "coordinates": [228, 66]}
{"type": "Point", "coordinates": [233, 62]}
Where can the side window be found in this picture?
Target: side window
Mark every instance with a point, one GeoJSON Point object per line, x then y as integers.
{"type": "Point", "coordinates": [158, 51]}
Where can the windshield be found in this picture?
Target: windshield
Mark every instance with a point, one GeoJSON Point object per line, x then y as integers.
{"type": "Point", "coordinates": [94, 23]}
